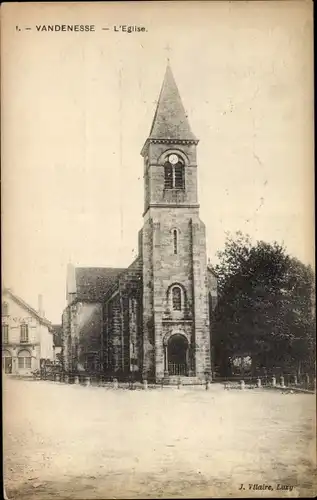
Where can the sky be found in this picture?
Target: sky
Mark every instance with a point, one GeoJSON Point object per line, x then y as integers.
{"type": "Point", "coordinates": [78, 107]}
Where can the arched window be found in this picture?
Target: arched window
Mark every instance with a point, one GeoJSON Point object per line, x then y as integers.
{"type": "Point", "coordinates": [177, 298]}
{"type": "Point", "coordinates": [5, 309]}
{"type": "Point", "coordinates": [174, 173]}
{"type": "Point", "coordinates": [175, 241]}
{"type": "Point", "coordinates": [24, 359]}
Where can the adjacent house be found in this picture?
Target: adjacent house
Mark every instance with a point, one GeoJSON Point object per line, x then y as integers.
{"type": "Point", "coordinates": [26, 335]}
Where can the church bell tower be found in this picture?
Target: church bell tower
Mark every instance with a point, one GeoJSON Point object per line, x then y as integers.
{"type": "Point", "coordinates": [176, 337]}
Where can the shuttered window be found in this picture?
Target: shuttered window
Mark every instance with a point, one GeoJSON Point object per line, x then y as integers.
{"type": "Point", "coordinates": [5, 334]}
{"type": "Point", "coordinates": [24, 330]}
{"type": "Point", "coordinates": [5, 309]}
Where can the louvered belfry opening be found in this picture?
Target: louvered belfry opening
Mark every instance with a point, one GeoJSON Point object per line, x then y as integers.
{"type": "Point", "coordinates": [179, 176]}
{"type": "Point", "coordinates": [168, 176]}
{"type": "Point", "coordinates": [174, 176]}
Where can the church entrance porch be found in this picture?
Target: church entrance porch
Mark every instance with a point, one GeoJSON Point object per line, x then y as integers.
{"type": "Point", "coordinates": [176, 356]}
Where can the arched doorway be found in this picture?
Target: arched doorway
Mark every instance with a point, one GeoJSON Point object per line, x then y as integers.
{"type": "Point", "coordinates": [177, 355]}
{"type": "Point", "coordinates": [6, 361]}
{"type": "Point", "coordinates": [24, 361]}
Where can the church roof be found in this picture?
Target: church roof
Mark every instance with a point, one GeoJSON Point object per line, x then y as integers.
{"type": "Point", "coordinates": [93, 283]}
{"type": "Point", "coordinates": [170, 119]}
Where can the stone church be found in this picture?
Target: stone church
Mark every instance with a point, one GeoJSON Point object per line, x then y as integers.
{"type": "Point", "coordinates": [153, 318]}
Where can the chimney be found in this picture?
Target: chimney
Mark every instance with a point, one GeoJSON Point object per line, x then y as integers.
{"type": "Point", "coordinates": [40, 305]}
{"type": "Point", "coordinates": [70, 282]}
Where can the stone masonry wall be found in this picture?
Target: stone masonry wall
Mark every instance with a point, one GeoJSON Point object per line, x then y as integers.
{"type": "Point", "coordinates": [148, 367]}
{"type": "Point", "coordinates": [176, 210]}
{"type": "Point", "coordinates": [187, 268]}
{"type": "Point", "coordinates": [115, 336]}
{"type": "Point", "coordinates": [169, 269]}
{"type": "Point", "coordinates": [201, 299]}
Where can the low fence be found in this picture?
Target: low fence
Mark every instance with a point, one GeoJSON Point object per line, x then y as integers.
{"type": "Point", "coordinates": [305, 382]}
{"type": "Point", "coordinates": [97, 380]}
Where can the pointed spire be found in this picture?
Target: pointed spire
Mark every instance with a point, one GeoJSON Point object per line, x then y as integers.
{"type": "Point", "coordinates": [170, 119]}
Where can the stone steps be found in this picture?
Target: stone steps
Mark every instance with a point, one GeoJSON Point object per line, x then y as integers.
{"type": "Point", "coordinates": [174, 380]}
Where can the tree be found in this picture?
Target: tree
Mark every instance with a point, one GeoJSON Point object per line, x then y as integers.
{"type": "Point", "coordinates": [264, 306]}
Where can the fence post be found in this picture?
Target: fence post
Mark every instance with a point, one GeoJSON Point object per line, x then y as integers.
{"type": "Point", "coordinates": [162, 383]}
{"type": "Point", "coordinates": [115, 383]}
{"type": "Point", "coordinates": [242, 385]}
{"type": "Point", "coordinates": [295, 379]}
{"type": "Point", "coordinates": [179, 383]}
{"type": "Point", "coordinates": [274, 381]}
{"type": "Point", "coordinates": [66, 379]}
{"type": "Point", "coordinates": [282, 381]}
{"type": "Point", "coordinates": [87, 381]}
{"type": "Point", "coordinates": [76, 379]}
{"type": "Point", "coordinates": [145, 385]}
{"type": "Point", "coordinates": [57, 377]}
{"type": "Point", "coordinates": [258, 382]}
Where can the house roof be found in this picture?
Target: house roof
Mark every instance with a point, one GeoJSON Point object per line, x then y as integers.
{"type": "Point", "coordinates": [170, 119]}
{"type": "Point", "coordinates": [25, 305]}
{"type": "Point", "coordinates": [93, 283]}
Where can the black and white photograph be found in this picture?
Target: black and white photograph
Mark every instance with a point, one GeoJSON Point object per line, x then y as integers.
{"type": "Point", "coordinates": [158, 289]}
